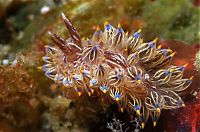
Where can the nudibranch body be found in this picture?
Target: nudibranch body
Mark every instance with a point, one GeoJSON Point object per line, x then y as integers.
{"type": "Point", "coordinates": [137, 75]}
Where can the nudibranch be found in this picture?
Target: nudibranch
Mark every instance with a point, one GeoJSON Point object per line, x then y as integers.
{"type": "Point", "coordinates": [137, 75]}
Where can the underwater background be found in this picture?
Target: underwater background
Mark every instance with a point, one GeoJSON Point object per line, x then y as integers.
{"type": "Point", "coordinates": [30, 102]}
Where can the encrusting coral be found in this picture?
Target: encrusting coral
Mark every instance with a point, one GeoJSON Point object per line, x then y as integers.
{"type": "Point", "coordinates": [137, 75]}
{"type": "Point", "coordinates": [17, 87]}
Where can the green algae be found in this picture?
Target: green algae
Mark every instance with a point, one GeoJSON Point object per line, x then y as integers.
{"type": "Point", "coordinates": [171, 19]}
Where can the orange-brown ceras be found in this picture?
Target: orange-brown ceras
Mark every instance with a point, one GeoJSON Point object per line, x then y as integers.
{"type": "Point", "coordinates": [137, 75]}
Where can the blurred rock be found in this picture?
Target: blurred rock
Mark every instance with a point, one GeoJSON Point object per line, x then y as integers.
{"type": "Point", "coordinates": [6, 4]}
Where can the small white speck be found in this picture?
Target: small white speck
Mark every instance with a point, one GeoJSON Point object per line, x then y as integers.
{"type": "Point", "coordinates": [146, 76]}
{"type": "Point", "coordinates": [5, 62]}
{"type": "Point", "coordinates": [20, 35]}
{"type": "Point", "coordinates": [14, 62]}
{"type": "Point", "coordinates": [44, 9]}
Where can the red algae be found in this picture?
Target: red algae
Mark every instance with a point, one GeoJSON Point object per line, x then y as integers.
{"type": "Point", "coordinates": [190, 116]}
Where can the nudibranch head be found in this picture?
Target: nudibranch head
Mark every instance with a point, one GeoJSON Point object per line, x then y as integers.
{"type": "Point", "coordinates": [137, 75]}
